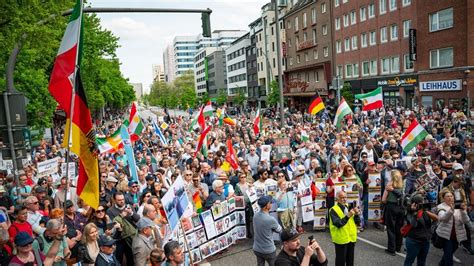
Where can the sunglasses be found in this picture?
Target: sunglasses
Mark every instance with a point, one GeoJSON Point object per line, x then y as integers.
{"type": "Point", "coordinates": [100, 211]}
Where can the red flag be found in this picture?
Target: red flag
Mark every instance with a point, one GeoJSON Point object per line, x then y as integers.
{"type": "Point", "coordinates": [201, 139]}
{"type": "Point", "coordinates": [230, 157]}
{"type": "Point", "coordinates": [257, 123]}
{"type": "Point", "coordinates": [201, 120]}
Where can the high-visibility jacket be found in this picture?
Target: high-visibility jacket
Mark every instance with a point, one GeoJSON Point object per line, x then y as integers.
{"type": "Point", "coordinates": [344, 234]}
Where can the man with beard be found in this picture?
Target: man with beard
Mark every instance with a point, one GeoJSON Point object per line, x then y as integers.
{"type": "Point", "coordinates": [293, 253]}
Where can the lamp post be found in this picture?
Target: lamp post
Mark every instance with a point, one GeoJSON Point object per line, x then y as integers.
{"type": "Point", "coordinates": [280, 77]}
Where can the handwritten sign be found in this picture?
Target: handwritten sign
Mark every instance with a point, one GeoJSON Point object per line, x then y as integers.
{"type": "Point", "coordinates": [48, 167]}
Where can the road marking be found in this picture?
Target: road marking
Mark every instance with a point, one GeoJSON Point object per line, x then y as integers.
{"type": "Point", "coordinates": [378, 246]}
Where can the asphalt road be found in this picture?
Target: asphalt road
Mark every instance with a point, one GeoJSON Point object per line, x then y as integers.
{"type": "Point", "coordinates": [369, 250]}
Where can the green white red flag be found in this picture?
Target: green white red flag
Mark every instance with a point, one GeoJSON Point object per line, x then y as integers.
{"type": "Point", "coordinates": [415, 134]}
{"type": "Point", "coordinates": [343, 110]}
{"type": "Point", "coordinates": [371, 100]}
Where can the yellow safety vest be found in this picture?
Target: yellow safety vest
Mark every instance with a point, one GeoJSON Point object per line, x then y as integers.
{"type": "Point", "coordinates": [345, 234]}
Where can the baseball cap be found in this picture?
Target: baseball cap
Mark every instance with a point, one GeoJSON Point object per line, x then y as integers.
{"type": "Point", "coordinates": [371, 163]}
{"type": "Point", "coordinates": [132, 182]}
{"type": "Point", "coordinates": [111, 179]}
{"type": "Point", "coordinates": [288, 235]}
{"type": "Point", "coordinates": [457, 166]}
{"type": "Point", "coordinates": [69, 204]}
{"type": "Point", "coordinates": [144, 223]}
{"type": "Point", "coordinates": [263, 201]}
{"type": "Point", "coordinates": [38, 190]}
{"type": "Point", "coordinates": [22, 239]}
{"type": "Point", "coordinates": [106, 241]}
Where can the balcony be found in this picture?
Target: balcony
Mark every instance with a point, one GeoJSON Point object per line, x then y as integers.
{"type": "Point", "coordinates": [306, 45]}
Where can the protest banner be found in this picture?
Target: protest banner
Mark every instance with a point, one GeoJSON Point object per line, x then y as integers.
{"type": "Point", "coordinates": [47, 167]}
{"type": "Point", "coordinates": [282, 148]}
{"type": "Point", "coordinates": [175, 202]}
{"type": "Point", "coordinates": [71, 169]}
{"type": "Point", "coordinates": [265, 151]}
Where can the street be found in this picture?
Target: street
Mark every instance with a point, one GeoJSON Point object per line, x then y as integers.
{"type": "Point", "coordinates": [369, 250]}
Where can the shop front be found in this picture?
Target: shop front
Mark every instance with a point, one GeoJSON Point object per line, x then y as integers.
{"type": "Point", "coordinates": [438, 94]}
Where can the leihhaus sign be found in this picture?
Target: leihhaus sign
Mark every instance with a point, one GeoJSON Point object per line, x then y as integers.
{"type": "Point", "coordinates": [398, 82]}
{"type": "Point", "coordinates": [441, 85]}
{"type": "Point", "coordinates": [296, 85]}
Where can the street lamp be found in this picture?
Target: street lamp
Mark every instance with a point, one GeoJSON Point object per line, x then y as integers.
{"type": "Point", "coordinates": [280, 77]}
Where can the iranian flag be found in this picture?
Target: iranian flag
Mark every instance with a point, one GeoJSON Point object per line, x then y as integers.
{"type": "Point", "coordinates": [110, 144]}
{"type": "Point", "coordinates": [304, 135]}
{"type": "Point", "coordinates": [414, 135]}
{"type": "Point", "coordinates": [135, 128]}
{"type": "Point", "coordinates": [372, 100]}
{"type": "Point", "coordinates": [257, 123]}
{"type": "Point", "coordinates": [208, 109]}
{"type": "Point", "coordinates": [343, 110]}
{"type": "Point", "coordinates": [202, 139]}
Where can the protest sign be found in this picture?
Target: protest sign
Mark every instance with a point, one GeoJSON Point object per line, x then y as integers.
{"type": "Point", "coordinates": [175, 202]}
{"type": "Point", "coordinates": [265, 151]}
{"type": "Point", "coordinates": [319, 219]}
{"type": "Point", "coordinates": [71, 169]}
{"type": "Point", "coordinates": [282, 148]}
{"type": "Point", "coordinates": [48, 167]}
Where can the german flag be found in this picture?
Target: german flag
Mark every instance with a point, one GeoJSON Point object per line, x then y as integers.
{"type": "Point", "coordinates": [66, 87]}
{"type": "Point", "coordinates": [316, 105]}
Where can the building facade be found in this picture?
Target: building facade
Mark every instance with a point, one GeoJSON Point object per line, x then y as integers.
{"type": "Point", "coordinates": [158, 73]}
{"type": "Point", "coordinates": [138, 88]}
{"type": "Point", "coordinates": [210, 71]}
{"type": "Point", "coordinates": [371, 47]}
{"type": "Point", "coordinates": [168, 64]}
{"type": "Point", "coordinates": [445, 54]}
{"type": "Point", "coordinates": [252, 70]}
{"type": "Point", "coordinates": [308, 52]}
{"type": "Point", "coordinates": [185, 48]}
{"type": "Point", "coordinates": [236, 62]}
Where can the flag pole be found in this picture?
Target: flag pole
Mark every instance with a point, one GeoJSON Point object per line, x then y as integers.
{"type": "Point", "coordinates": [71, 111]}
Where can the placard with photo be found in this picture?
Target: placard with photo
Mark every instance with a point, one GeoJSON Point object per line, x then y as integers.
{"type": "Point", "coordinates": [220, 228]}
{"type": "Point", "coordinates": [320, 183]}
{"type": "Point", "coordinates": [319, 219]}
{"type": "Point", "coordinates": [339, 187]}
{"type": "Point", "coordinates": [233, 219]}
{"type": "Point", "coordinates": [252, 194]}
{"type": "Point", "coordinates": [231, 204]}
{"type": "Point", "coordinates": [214, 246]}
{"type": "Point", "coordinates": [196, 222]}
{"type": "Point", "coordinates": [239, 202]}
{"type": "Point", "coordinates": [352, 184]}
{"type": "Point", "coordinates": [230, 240]}
{"type": "Point", "coordinates": [205, 250]}
{"type": "Point", "coordinates": [255, 207]}
{"type": "Point", "coordinates": [196, 255]}
{"type": "Point", "coordinates": [375, 180]}
{"type": "Point", "coordinates": [187, 224]}
{"type": "Point", "coordinates": [222, 240]}
{"type": "Point", "coordinates": [192, 240]}
{"type": "Point", "coordinates": [308, 213]}
{"type": "Point", "coordinates": [375, 197]}
{"type": "Point", "coordinates": [200, 236]}
{"type": "Point", "coordinates": [208, 223]}
{"type": "Point", "coordinates": [227, 223]}
{"type": "Point", "coordinates": [241, 232]}
{"type": "Point", "coordinates": [306, 197]}
{"type": "Point", "coordinates": [374, 214]}
{"type": "Point", "coordinates": [320, 204]}
{"type": "Point", "coordinates": [240, 215]}
{"type": "Point", "coordinates": [271, 190]}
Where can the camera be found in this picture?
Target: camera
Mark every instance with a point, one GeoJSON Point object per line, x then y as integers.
{"type": "Point", "coordinates": [457, 204]}
{"type": "Point", "coordinates": [352, 205]}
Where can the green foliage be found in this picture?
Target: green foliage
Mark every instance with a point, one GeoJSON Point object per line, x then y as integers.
{"type": "Point", "coordinates": [101, 75]}
{"type": "Point", "coordinates": [221, 97]}
{"type": "Point", "coordinates": [241, 97]}
{"type": "Point", "coordinates": [180, 94]}
{"type": "Point", "coordinates": [204, 98]}
{"type": "Point", "coordinates": [274, 96]}
{"type": "Point", "coordinates": [346, 92]}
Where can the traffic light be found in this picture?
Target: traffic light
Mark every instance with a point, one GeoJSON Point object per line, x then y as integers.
{"type": "Point", "coordinates": [206, 24]}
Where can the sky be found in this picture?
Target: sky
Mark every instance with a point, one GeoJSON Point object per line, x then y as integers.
{"type": "Point", "coordinates": [143, 36]}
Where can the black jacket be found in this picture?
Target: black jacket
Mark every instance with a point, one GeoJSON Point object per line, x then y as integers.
{"type": "Point", "coordinates": [101, 261]}
{"type": "Point", "coordinates": [284, 259]}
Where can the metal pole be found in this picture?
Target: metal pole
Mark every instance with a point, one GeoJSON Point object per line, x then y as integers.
{"type": "Point", "coordinates": [137, 10]}
{"type": "Point", "coordinates": [280, 77]}
{"type": "Point", "coordinates": [338, 89]}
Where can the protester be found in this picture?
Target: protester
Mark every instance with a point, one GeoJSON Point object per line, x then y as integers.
{"type": "Point", "coordinates": [28, 255]}
{"type": "Point", "coordinates": [106, 255]}
{"type": "Point", "coordinates": [55, 231]}
{"type": "Point", "coordinates": [142, 243]}
{"type": "Point", "coordinates": [174, 254]}
{"type": "Point", "coordinates": [343, 224]}
{"type": "Point", "coordinates": [394, 212]}
{"type": "Point", "coordinates": [293, 254]}
{"type": "Point", "coordinates": [89, 247]}
{"type": "Point", "coordinates": [286, 205]}
{"type": "Point", "coordinates": [264, 226]}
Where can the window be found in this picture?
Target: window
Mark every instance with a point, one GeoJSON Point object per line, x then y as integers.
{"type": "Point", "coordinates": [314, 36]}
{"type": "Point", "coordinates": [365, 68]}
{"type": "Point", "coordinates": [373, 38]}
{"type": "Point", "coordinates": [383, 34]}
{"type": "Point", "coordinates": [355, 69]}
{"type": "Point", "coordinates": [346, 20]}
{"type": "Point", "coordinates": [373, 67]}
{"type": "Point", "coordinates": [382, 7]}
{"type": "Point", "coordinates": [354, 42]}
{"type": "Point", "coordinates": [315, 54]}
{"type": "Point", "coordinates": [385, 65]}
{"type": "Point", "coordinates": [338, 47]}
{"type": "Point", "coordinates": [353, 17]}
{"type": "Point", "coordinates": [409, 65]}
{"type": "Point", "coordinates": [325, 29]}
{"type": "Point", "coordinates": [305, 23]}
{"type": "Point", "coordinates": [305, 37]}
{"type": "Point", "coordinates": [306, 57]}
{"type": "Point", "coordinates": [406, 2]}
{"type": "Point", "coordinates": [371, 10]}
{"type": "Point", "coordinates": [393, 5]}
{"type": "Point", "coordinates": [291, 61]}
{"type": "Point", "coordinates": [441, 20]}
{"type": "Point", "coordinates": [288, 24]}
{"type": "Point", "coordinates": [347, 45]}
{"type": "Point", "coordinates": [394, 64]}
{"type": "Point", "coordinates": [339, 71]}
{"type": "Point", "coordinates": [363, 40]}
{"type": "Point", "coordinates": [427, 101]}
{"type": "Point", "coordinates": [348, 71]}
{"type": "Point", "coordinates": [344, 1]}
{"type": "Point", "coordinates": [326, 51]}
{"type": "Point", "coordinates": [363, 13]}
{"type": "Point", "coordinates": [297, 42]}
{"type": "Point", "coordinates": [323, 8]}
{"type": "Point", "coordinates": [313, 15]}
{"type": "Point", "coordinates": [316, 76]}
{"type": "Point", "coordinates": [289, 42]}
{"type": "Point", "coordinates": [441, 57]}
{"type": "Point", "coordinates": [393, 32]}
{"type": "Point", "coordinates": [296, 24]}
{"type": "Point", "coordinates": [406, 28]}
{"type": "Point", "coordinates": [337, 23]}
{"type": "Point", "coordinates": [336, 3]}
{"type": "Point", "coordinates": [298, 59]}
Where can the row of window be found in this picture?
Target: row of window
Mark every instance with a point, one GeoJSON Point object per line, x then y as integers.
{"type": "Point", "coordinates": [305, 18]}
{"type": "Point", "coordinates": [307, 56]}
{"type": "Point", "coordinates": [236, 53]}
{"type": "Point", "coordinates": [236, 66]}
{"type": "Point", "coordinates": [388, 65]}
{"type": "Point", "coordinates": [237, 78]}
{"type": "Point", "coordinates": [324, 29]}
{"type": "Point", "coordinates": [306, 76]}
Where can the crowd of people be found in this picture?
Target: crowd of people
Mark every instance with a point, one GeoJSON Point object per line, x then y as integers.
{"type": "Point", "coordinates": [44, 222]}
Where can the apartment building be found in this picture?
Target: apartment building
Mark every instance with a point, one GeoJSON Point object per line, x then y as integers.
{"type": "Point", "coordinates": [236, 62]}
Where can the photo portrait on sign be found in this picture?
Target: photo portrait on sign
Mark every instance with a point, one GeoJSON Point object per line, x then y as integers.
{"type": "Point", "coordinates": [339, 187]}
{"type": "Point", "coordinates": [192, 240]}
{"type": "Point", "coordinates": [217, 211]}
{"type": "Point", "coordinates": [252, 194]}
{"type": "Point", "coordinates": [321, 185]}
{"type": "Point", "coordinates": [308, 213]}
{"type": "Point", "coordinates": [220, 226]}
{"type": "Point", "coordinates": [231, 204]}
{"type": "Point", "coordinates": [241, 232]}
{"type": "Point", "coordinates": [196, 222]}
{"type": "Point", "coordinates": [320, 204]}
{"type": "Point", "coordinates": [208, 223]}
{"type": "Point", "coordinates": [375, 180]}
{"type": "Point", "coordinates": [319, 220]}
{"type": "Point", "coordinates": [374, 214]}
{"type": "Point", "coordinates": [205, 250]}
{"type": "Point", "coordinates": [239, 202]}
{"type": "Point", "coordinates": [196, 255]}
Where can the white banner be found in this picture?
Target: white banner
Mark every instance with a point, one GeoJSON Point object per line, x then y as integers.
{"type": "Point", "coordinates": [48, 167]}
{"type": "Point", "coordinates": [72, 169]}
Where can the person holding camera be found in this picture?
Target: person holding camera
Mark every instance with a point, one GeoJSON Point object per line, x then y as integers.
{"type": "Point", "coordinates": [452, 218]}
{"type": "Point", "coordinates": [294, 254]}
{"type": "Point", "coordinates": [394, 213]}
{"type": "Point", "coordinates": [343, 222]}
{"type": "Point", "coordinates": [417, 240]}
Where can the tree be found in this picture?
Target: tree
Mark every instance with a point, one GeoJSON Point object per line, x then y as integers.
{"type": "Point", "coordinates": [274, 96]}
{"type": "Point", "coordinates": [179, 94]}
{"type": "Point", "coordinates": [241, 97]}
{"type": "Point", "coordinates": [204, 98]}
{"type": "Point", "coordinates": [346, 92]}
{"type": "Point", "coordinates": [221, 97]}
{"type": "Point", "coordinates": [102, 79]}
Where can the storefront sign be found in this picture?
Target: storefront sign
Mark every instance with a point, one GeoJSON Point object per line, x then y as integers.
{"type": "Point", "coordinates": [296, 85]}
{"type": "Point", "coordinates": [412, 44]}
{"type": "Point", "coordinates": [305, 45]}
{"type": "Point", "coordinates": [441, 85]}
{"type": "Point", "coordinates": [398, 82]}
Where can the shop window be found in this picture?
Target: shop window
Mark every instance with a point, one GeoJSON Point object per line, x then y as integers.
{"type": "Point", "coordinates": [427, 101]}
{"type": "Point", "coordinates": [440, 103]}
{"type": "Point", "coordinates": [454, 103]}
